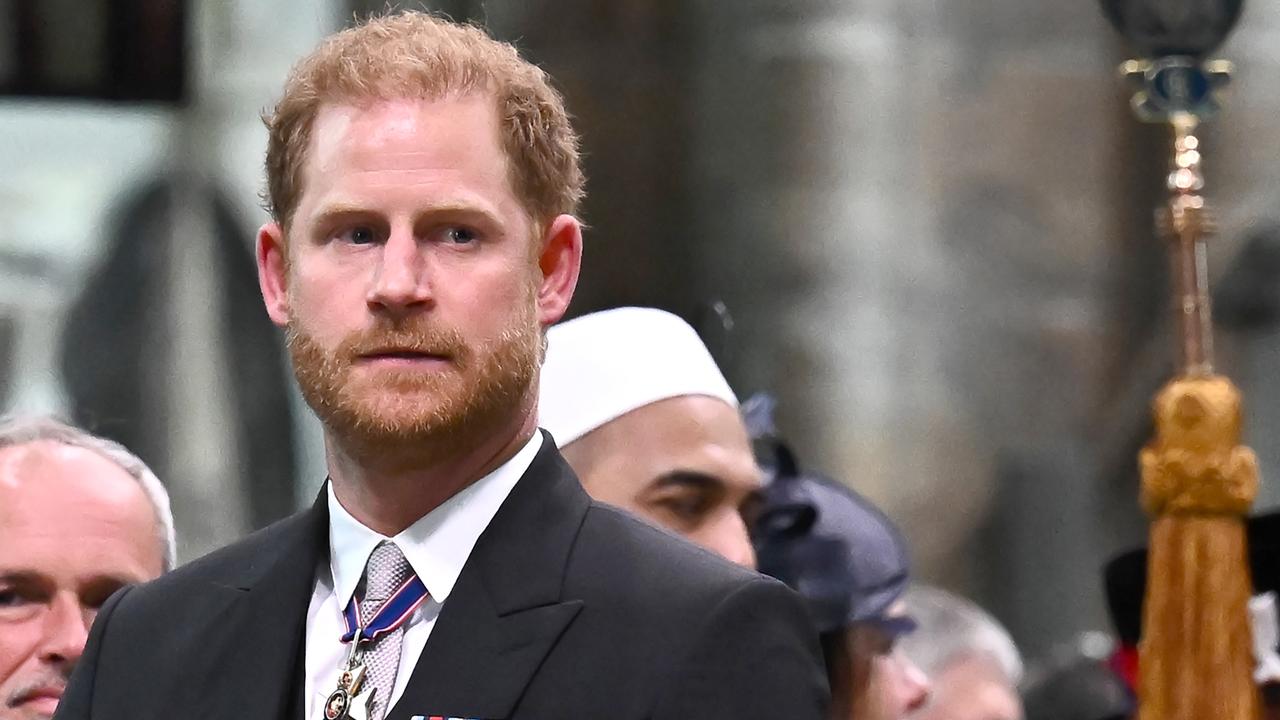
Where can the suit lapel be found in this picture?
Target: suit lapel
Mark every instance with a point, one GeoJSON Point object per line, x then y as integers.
{"type": "Point", "coordinates": [505, 612]}
{"type": "Point", "coordinates": [254, 652]}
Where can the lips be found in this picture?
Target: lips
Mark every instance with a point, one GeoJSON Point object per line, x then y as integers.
{"type": "Point", "coordinates": [43, 699]}
{"type": "Point", "coordinates": [400, 354]}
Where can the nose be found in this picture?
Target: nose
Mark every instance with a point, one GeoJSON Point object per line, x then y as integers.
{"type": "Point", "coordinates": [66, 629]}
{"type": "Point", "coordinates": [400, 279]}
{"type": "Point", "coordinates": [728, 537]}
{"type": "Point", "coordinates": [915, 684]}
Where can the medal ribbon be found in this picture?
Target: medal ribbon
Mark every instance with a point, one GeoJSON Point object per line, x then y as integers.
{"type": "Point", "coordinates": [407, 598]}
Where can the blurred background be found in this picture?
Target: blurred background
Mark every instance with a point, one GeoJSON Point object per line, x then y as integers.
{"type": "Point", "coordinates": [929, 222]}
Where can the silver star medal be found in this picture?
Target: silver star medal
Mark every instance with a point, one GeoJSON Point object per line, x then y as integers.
{"type": "Point", "coordinates": [361, 705]}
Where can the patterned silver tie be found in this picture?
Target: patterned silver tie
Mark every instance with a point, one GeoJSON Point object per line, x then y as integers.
{"type": "Point", "coordinates": [387, 570]}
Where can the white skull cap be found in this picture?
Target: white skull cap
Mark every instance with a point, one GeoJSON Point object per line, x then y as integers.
{"type": "Point", "coordinates": [602, 366]}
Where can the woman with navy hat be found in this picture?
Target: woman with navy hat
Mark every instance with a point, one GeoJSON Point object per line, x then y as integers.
{"type": "Point", "coordinates": [849, 562]}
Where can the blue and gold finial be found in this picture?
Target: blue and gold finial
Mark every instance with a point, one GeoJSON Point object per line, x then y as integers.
{"type": "Point", "coordinates": [1196, 654]}
{"type": "Point", "coordinates": [1176, 86]}
{"type": "Point", "coordinates": [1174, 81]}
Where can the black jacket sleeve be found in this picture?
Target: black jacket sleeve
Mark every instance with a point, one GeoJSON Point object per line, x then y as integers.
{"type": "Point", "coordinates": [77, 701]}
{"type": "Point", "coordinates": [757, 656]}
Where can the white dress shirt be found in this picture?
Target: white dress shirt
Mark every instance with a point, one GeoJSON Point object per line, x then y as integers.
{"type": "Point", "coordinates": [436, 546]}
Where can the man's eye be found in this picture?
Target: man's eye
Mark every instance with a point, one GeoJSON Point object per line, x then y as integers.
{"type": "Point", "coordinates": [359, 236]}
{"type": "Point", "coordinates": [460, 235]}
{"type": "Point", "coordinates": [13, 599]}
{"type": "Point", "coordinates": [95, 595]}
{"type": "Point", "coordinates": [688, 508]}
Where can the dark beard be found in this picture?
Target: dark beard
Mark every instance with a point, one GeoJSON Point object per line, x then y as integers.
{"type": "Point", "coordinates": [399, 421]}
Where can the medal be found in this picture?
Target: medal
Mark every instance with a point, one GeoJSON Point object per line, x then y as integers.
{"type": "Point", "coordinates": [351, 700]}
{"type": "Point", "coordinates": [335, 708]}
{"type": "Point", "coordinates": [338, 706]}
{"type": "Point", "coordinates": [349, 704]}
{"type": "Point", "coordinates": [361, 705]}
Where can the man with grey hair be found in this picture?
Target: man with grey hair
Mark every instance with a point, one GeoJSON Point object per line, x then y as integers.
{"type": "Point", "coordinates": [972, 663]}
{"type": "Point", "coordinates": [80, 517]}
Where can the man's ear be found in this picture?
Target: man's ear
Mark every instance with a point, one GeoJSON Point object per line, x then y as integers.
{"type": "Point", "coordinates": [273, 270]}
{"type": "Point", "coordinates": [559, 262]}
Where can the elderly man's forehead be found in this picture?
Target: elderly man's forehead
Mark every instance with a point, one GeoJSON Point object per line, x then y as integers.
{"type": "Point", "coordinates": [20, 462]}
{"type": "Point", "coordinates": [43, 466]}
{"type": "Point", "coordinates": [54, 496]}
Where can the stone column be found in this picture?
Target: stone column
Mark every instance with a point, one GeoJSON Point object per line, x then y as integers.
{"type": "Point", "coordinates": [909, 202]}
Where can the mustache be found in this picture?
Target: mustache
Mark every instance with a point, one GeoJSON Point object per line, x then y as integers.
{"type": "Point", "coordinates": [29, 689]}
{"type": "Point", "coordinates": [418, 337]}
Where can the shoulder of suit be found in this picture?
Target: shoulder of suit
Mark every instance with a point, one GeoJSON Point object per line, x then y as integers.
{"type": "Point", "coordinates": [656, 560]}
{"type": "Point", "coordinates": [237, 564]}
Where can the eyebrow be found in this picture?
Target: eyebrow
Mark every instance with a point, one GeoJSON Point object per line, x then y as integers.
{"type": "Point", "coordinates": [690, 479]}
{"type": "Point", "coordinates": [696, 479]}
{"type": "Point", "coordinates": [24, 576]}
{"type": "Point", "coordinates": [342, 209]}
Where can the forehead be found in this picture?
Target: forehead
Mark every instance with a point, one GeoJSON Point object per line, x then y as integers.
{"type": "Point", "coordinates": [976, 683]}
{"type": "Point", "coordinates": [690, 433]}
{"type": "Point", "coordinates": [45, 465]}
{"type": "Point", "coordinates": [392, 147]}
{"type": "Point", "coordinates": [54, 497]}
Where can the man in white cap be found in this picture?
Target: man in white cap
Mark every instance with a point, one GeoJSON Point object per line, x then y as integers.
{"type": "Point", "coordinates": [639, 409]}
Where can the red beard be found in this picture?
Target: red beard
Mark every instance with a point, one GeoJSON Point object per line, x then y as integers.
{"type": "Point", "coordinates": [401, 419]}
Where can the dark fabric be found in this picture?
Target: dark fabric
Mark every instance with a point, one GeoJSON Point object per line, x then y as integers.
{"type": "Point", "coordinates": [565, 609]}
{"type": "Point", "coordinates": [1125, 576]}
{"type": "Point", "coordinates": [838, 550]}
{"type": "Point", "coordinates": [1084, 689]}
{"type": "Point", "coordinates": [116, 354]}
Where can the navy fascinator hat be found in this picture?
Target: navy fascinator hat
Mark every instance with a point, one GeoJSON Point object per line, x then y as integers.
{"type": "Point", "coordinates": [828, 543]}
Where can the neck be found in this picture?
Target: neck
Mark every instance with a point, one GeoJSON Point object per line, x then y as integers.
{"type": "Point", "coordinates": [388, 501]}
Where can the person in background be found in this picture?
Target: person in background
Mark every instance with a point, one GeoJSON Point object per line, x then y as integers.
{"type": "Point", "coordinates": [972, 663]}
{"type": "Point", "coordinates": [644, 417]}
{"type": "Point", "coordinates": [1077, 686]}
{"type": "Point", "coordinates": [1125, 578]}
{"type": "Point", "coordinates": [80, 517]}
{"type": "Point", "coordinates": [849, 561]}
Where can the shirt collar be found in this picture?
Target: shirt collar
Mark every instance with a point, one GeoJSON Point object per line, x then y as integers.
{"type": "Point", "coordinates": [438, 544]}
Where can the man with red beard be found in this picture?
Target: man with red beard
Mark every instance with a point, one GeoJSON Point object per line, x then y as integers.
{"type": "Point", "coordinates": [422, 180]}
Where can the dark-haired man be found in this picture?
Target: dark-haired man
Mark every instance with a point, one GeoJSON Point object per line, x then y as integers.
{"type": "Point", "coordinates": [647, 421]}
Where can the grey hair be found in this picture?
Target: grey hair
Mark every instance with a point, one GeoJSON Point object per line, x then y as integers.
{"type": "Point", "coordinates": [952, 628]}
{"type": "Point", "coordinates": [16, 431]}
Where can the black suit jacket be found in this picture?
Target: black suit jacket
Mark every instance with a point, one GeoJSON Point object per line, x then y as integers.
{"type": "Point", "coordinates": [567, 609]}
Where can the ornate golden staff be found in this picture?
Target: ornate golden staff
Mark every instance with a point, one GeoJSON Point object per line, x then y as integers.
{"type": "Point", "coordinates": [1195, 658]}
